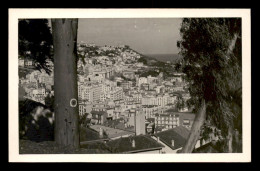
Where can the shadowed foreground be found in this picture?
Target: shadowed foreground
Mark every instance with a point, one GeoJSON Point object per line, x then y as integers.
{"type": "Point", "coordinates": [50, 147]}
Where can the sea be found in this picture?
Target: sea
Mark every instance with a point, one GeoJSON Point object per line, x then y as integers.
{"type": "Point", "coordinates": [164, 57]}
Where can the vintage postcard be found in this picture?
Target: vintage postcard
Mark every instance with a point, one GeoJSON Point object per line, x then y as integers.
{"type": "Point", "coordinates": [129, 85]}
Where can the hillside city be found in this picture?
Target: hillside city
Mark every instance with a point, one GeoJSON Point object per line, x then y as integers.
{"type": "Point", "coordinates": [127, 102]}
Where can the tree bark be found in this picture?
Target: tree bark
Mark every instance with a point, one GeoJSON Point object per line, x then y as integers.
{"type": "Point", "coordinates": [230, 129]}
{"type": "Point", "coordinates": [65, 82]}
{"type": "Point", "coordinates": [232, 44]}
{"type": "Point", "coordinates": [195, 130]}
{"type": "Point", "coordinates": [230, 139]}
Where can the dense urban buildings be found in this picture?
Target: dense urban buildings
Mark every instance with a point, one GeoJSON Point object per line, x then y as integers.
{"type": "Point", "coordinates": [119, 98]}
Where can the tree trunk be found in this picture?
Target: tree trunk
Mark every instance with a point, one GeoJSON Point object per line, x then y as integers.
{"type": "Point", "coordinates": [232, 44]}
{"type": "Point", "coordinates": [230, 139]}
{"type": "Point", "coordinates": [65, 82]}
{"type": "Point", "coordinates": [195, 130]}
{"type": "Point", "coordinates": [230, 129]}
{"type": "Point", "coordinates": [236, 149]}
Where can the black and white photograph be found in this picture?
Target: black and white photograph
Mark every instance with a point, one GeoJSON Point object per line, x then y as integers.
{"type": "Point", "coordinates": [171, 83]}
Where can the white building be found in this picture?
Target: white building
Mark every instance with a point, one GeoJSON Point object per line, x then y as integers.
{"type": "Point", "coordinates": [116, 94]}
{"type": "Point", "coordinates": [142, 80]}
{"type": "Point", "coordinates": [21, 62]}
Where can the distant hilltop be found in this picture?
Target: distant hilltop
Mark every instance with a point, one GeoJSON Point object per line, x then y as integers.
{"type": "Point", "coordinates": [164, 57]}
{"type": "Point", "coordinates": [110, 54]}
{"type": "Point", "coordinates": [96, 50]}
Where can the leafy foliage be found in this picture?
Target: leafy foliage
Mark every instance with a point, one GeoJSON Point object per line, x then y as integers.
{"type": "Point", "coordinates": [143, 60]}
{"type": "Point", "coordinates": [49, 102]}
{"type": "Point", "coordinates": [35, 41]}
{"type": "Point", "coordinates": [180, 104]}
{"type": "Point", "coordinates": [212, 64]}
{"type": "Point", "coordinates": [153, 73]}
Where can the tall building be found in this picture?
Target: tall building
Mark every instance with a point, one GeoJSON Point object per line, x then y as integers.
{"type": "Point", "coordinates": [97, 91]}
{"type": "Point", "coordinates": [171, 119]}
{"type": "Point", "coordinates": [150, 110]}
{"type": "Point", "coordinates": [104, 72]}
{"type": "Point", "coordinates": [167, 121]}
{"type": "Point", "coordinates": [89, 94]}
{"type": "Point", "coordinates": [116, 94]}
{"type": "Point", "coordinates": [82, 108]}
{"type": "Point", "coordinates": [139, 122]}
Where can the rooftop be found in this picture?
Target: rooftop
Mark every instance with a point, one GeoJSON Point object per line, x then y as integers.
{"type": "Point", "coordinates": [172, 110]}
{"type": "Point", "coordinates": [95, 146]}
{"type": "Point", "coordinates": [179, 135]}
{"type": "Point", "coordinates": [112, 132]}
{"type": "Point", "coordinates": [87, 134]}
{"type": "Point", "coordinates": [117, 123]}
{"type": "Point", "coordinates": [142, 143]}
{"type": "Point", "coordinates": [159, 128]}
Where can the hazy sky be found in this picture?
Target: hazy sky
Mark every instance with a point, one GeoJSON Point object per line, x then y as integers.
{"type": "Point", "coordinates": [147, 36]}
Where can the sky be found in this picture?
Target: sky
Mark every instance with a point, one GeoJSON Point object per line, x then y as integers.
{"type": "Point", "coordinates": [147, 36]}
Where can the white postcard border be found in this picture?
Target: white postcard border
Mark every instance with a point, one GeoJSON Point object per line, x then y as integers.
{"type": "Point", "coordinates": [15, 14]}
